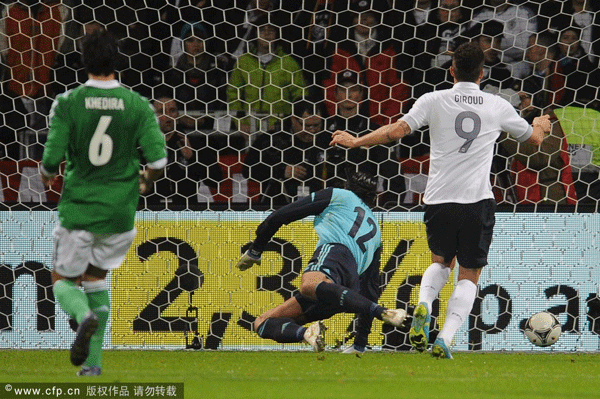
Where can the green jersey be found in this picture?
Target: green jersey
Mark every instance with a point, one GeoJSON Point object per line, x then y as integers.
{"type": "Point", "coordinates": [99, 127]}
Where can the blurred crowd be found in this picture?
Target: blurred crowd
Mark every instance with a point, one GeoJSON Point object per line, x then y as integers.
{"type": "Point", "coordinates": [268, 81]}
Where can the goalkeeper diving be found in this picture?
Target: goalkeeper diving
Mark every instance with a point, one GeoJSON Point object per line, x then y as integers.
{"type": "Point", "coordinates": [342, 275]}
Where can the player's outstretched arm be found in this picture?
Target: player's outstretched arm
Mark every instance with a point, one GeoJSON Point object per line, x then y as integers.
{"type": "Point", "coordinates": [384, 134]}
{"type": "Point", "coordinates": [313, 204]}
{"type": "Point", "coordinates": [248, 259]}
{"type": "Point", "coordinates": [541, 129]}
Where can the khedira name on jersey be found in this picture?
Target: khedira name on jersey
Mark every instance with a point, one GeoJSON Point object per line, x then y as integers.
{"type": "Point", "coordinates": [106, 103]}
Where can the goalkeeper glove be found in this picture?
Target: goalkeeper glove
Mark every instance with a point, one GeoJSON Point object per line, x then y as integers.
{"type": "Point", "coordinates": [248, 259]}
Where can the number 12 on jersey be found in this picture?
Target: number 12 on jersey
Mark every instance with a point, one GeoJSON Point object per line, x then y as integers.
{"type": "Point", "coordinates": [357, 223]}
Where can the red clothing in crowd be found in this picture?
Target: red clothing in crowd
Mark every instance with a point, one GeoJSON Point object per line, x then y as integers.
{"type": "Point", "coordinates": [387, 93]}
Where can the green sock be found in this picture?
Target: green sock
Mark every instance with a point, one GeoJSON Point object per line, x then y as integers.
{"type": "Point", "coordinates": [100, 304]}
{"type": "Point", "coordinates": [71, 299]}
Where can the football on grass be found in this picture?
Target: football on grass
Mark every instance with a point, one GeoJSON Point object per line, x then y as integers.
{"type": "Point", "coordinates": [543, 329]}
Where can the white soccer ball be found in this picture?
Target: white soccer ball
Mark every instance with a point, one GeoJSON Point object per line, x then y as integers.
{"type": "Point", "coordinates": [543, 329]}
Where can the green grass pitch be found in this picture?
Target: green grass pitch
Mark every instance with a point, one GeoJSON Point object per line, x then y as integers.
{"type": "Point", "coordinates": [226, 374]}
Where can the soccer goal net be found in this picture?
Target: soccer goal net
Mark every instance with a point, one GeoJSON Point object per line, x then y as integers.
{"type": "Point", "coordinates": [248, 93]}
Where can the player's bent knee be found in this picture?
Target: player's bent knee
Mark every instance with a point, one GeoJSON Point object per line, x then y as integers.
{"type": "Point", "coordinates": [258, 322]}
{"type": "Point", "coordinates": [310, 281]}
{"type": "Point", "coordinates": [259, 325]}
{"type": "Point", "coordinates": [308, 290]}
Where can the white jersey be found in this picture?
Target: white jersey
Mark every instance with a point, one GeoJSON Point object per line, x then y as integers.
{"type": "Point", "coordinates": [464, 123]}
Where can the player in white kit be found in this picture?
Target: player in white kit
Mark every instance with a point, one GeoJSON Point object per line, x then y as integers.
{"type": "Point", "coordinates": [464, 123]}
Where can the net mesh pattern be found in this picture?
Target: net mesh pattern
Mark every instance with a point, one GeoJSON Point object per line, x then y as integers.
{"type": "Point", "coordinates": [248, 94]}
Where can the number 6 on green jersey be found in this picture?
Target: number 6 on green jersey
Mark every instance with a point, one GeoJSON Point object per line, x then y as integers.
{"type": "Point", "coordinates": [101, 145]}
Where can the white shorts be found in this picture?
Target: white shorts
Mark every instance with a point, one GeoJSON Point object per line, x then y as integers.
{"type": "Point", "coordinates": [74, 250]}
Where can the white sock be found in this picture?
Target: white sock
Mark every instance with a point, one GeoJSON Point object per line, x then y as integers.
{"type": "Point", "coordinates": [434, 279]}
{"type": "Point", "coordinates": [459, 307]}
{"type": "Point", "coordinates": [94, 285]}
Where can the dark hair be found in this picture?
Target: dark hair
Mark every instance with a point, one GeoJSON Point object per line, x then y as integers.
{"type": "Point", "coordinates": [347, 76]}
{"type": "Point", "coordinates": [468, 62]}
{"type": "Point", "coordinates": [302, 106]}
{"type": "Point", "coordinates": [99, 52]}
{"type": "Point", "coordinates": [83, 14]}
{"type": "Point", "coordinates": [265, 21]}
{"type": "Point", "coordinates": [490, 28]}
{"type": "Point", "coordinates": [364, 185]}
{"type": "Point", "coordinates": [197, 30]}
{"type": "Point", "coordinates": [545, 39]}
{"type": "Point", "coordinates": [163, 91]}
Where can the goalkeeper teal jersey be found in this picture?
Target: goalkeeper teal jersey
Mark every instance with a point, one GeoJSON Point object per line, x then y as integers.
{"type": "Point", "coordinates": [347, 220]}
{"type": "Point", "coordinates": [100, 127]}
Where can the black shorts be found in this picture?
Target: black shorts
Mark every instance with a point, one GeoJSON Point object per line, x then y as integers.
{"type": "Point", "coordinates": [338, 263]}
{"type": "Point", "coordinates": [461, 230]}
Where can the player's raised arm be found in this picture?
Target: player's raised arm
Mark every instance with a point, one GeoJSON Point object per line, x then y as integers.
{"type": "Point", "coordinates": [385, 134]}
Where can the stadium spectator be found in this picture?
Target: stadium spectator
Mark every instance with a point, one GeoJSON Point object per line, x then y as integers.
{"type": "Point", "coordinates": [496, 74]}
{"type": "Point", "coordinates": [451, 29]}
{"type": "Point", "coordinates": [31, 34]}
{"type": "Point", "coordinates": [352, 115]}
{"type": "Point", "coordinates": [540, 71]}
{"type": "Point", "coordinates": [137, 29]}
{"type": "Point", "coordinates": [366, 51]}
{"type": "Point", "coordinates": [417, 32]}
{"type": "Point", "coordinates": [519, 23]}
{"type": "Point", "coordinates": [582, 129]}
{"type": "Point", "coordinates": [571, 54]}
{"type": "Point", "coordinates": [198, 82]}
{"type": "Point", "coordinates": [187, 164]}
{"type": "Point", "coordinates": [577, 68]}
{"type": "Point", "coordinates": [417, 12]}
{"type": "Point", "coordinates": [320, 32]}
{"type": "Point", "coordinates": [452, 24]}
{"type": "Point", "coordinates": [544, 11]}
{"type": "Point", "coordinates": [460, 206]}
{"type": "Point", "coordinates": [542, 174]}
{"type": "Point", "coordinates": [342, 275]}
{"type": "Point", "coordinates": [210, 13]}
{"type": "Point", "coordinates": [69, 71]}
{"type": "Point", "coordinates": [289, 163]}
{"type": "Point", "coordinates": [141, 67]}
{"type": "Point", "coordinates": [264, 83]}
{"type": "Point", "coordinates": [101, 190]}
{"type": "Point", "coordinates": [244, 17]}
{"type": "Point", "coordinates": [346, 10]}
{"type": "Point", "coordinates": [582, 14]}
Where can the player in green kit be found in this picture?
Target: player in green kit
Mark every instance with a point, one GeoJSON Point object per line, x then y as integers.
{"type": "Point", "coordinates": [99, 128]}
